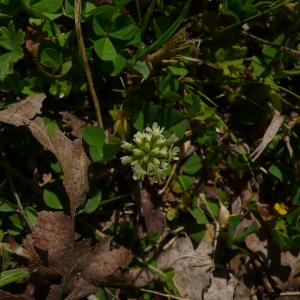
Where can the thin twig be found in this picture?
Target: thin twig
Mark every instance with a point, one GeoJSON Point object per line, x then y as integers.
{"type": "Point", "coordinates": [18, 200]}
{"type": "Point", "coordinates": [77, 17]}
{"type": "Point", "coordinates": [290, 51]}
{"type": "Point", "coordinates": [162, 294]}
{"type": "Point", "coordinates": [169, 179]}
{"type": "Point", "coordinates": [290, 293]}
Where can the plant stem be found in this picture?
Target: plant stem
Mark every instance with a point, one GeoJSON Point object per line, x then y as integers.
{"type": "Point", "coordinates": [77, 17]}
{"type": "Point", "coordinates": [15, 194]}
{"type": "Point", "coordinates": [161, 294]}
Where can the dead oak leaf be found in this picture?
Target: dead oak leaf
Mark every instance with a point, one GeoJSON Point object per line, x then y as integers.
{"type": "Point", "coordinates": [101, 265]}
{"type": "Point", "coordinates": [75, 124]}
{"type": "Point", "coordinates": [154, 218]}
{"type": "Point", "coordinates": [70, 154]}
{"type": "Point", "coordinates": [20, 113]}
{"type": "Point", "coordinates": [72, 269]}
{"type": "Point", "coordinates": [221, 288]}
{"type": "Point", "coordinates": [192, 266]}
{"type": "Point", "coordinates": [51, 243]}
{"type": "Point", "coordinates": [105, 263]}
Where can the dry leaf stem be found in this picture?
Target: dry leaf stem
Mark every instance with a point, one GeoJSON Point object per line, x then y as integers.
{"type": "Point", "coordinates": [77, 17]}
{"type": "Point", "coordinates": [259, 40]}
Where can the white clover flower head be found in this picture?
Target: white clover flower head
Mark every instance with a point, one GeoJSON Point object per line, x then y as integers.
{"type": "Point", "coordinates": [150, 154]}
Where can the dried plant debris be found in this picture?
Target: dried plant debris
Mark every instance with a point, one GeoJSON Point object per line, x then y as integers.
{"type": "Point", "coordinates": [21, 113]}
{"type": "Point", "coordinates": [52, 242]}
{"type": "Point", "coordinates": [74, 123]}
{"type": "Point", "coordinates": [70, 154]}
{"type": "Point", "coordinates": [55, 256]}
{"type": "Point", "coordinates": [8, 296]}
{"type": "Point", "coordinates": [192, 267]}
{"type": "Point", "coordinates": [271, 131]}
{"type": "Point", "coordinates": [154, 218]}
{"type": "Point", "coordinates": [221, 288]}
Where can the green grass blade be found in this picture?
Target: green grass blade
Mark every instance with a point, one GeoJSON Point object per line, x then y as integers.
{"type": "Point", "coordinates": [170, 32]}
{"type": "Point", "coordinates": [14, 275]}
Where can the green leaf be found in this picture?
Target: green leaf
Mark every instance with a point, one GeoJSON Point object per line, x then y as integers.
{"type": "Point", "coordinates": [192, 165]}
{"type": "Point", "coordinates": [233, 223]}
{"type": "Point", "coordinates": [93, 203]}
{"type": "Point", "coordinates": [281, 238]}
{"type": "Point", "coordinates": [142, 68]}
{"type": "Point", "coordinates": [7, 61]}
{"type": "Point", "coordinates": [125, 28]}
{"type": "Point", "coordinates": [60, 88]}
{"type": "Point", "coordinates": [66, 67]}
{"type": "Point", "coordinates": [105, 49]}
{"type": "Point", "coordinates": [139, 121]}
{"type": "Point", "coordinates": [179, 129]}
{"type": "Point", "coordinates": [199, 215]}
{"type": "Point", "coordinates": [104, 19]}
{"type": "Point", "coordinates": [251, 229]}
{"type": "Point", "coordinates": [14, 275]}
{"type": "Point", "coordinates": [259, 67]}
{"type": "Point", "coordinates": [296, 198]}
{"type": "Point", "coordinates": [51, 126]}
{"type": "Point", "coordinates": [10, 39]}
{"type": "Point", "coordinates": [6, 206]}
{"type": "Point", "coordinates": [179, 71]}
{"type": "Point", "coordinates": [56, 167]}
{"type": "Point", "coordinates": [183, 183]}
{"type": "Point", "coordinates": [172, 29]}
{"type": "Point", "coordinates": [110, 150]}
{"type": "Point", "coordinates": [31, 215]}
{"type": "Point", "coordinates": [172, 214]}
{"type": "Point", "coordinates": [119, 63]}
{"type": "Point", "coordinates": [213, 206]}
{"type": "Point", "coordinates": [95, 138]}
{"type": "Point", "coordinates": [51, 58]}
{"type": "Point", "coordinates": [45, 6]}
{"type": "Point", "coordinates": [293, 217]}
{"type": "Point", "coordinates": [276, 172]}
{"type": "Point", "coordinates": [17, 224]}
{"type": "Point", "coordinates": [51, 200]}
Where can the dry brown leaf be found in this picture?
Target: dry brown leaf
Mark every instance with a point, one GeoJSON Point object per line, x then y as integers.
{"type": "Point", "coordinates": [80, 290]}
{"type": "Point", "coordinates": [271, 131]}
{"type": "Point", "coordinates": [56, 257]}
{"type": "Point", "coordinates": [221, 288]}
{"type": "Point", "coordinates": [257, 245]}
{"type": "Point", "coordinates": [70, 154]}
{"type": "Point", "coordinates": [154, 218]}
{"type": "Point", "coordinates": [192, 267]}
{"type": "Point", "coordinates": [285, 269]}
{"type": "Point", "coordinates": [72, 122]}
{"type": "Point", "coordinates": [51, 243]}
{"type": "Point", "coordinates": [72, 158]}
{"type": "Point", "coordinates": [20, 113]}
{"type": "Point", "coordinates": [8, 296]}
{"type": "Point", "coordinates": [239, 266]}
{"type": "Point", "coordinates": [104, 264]}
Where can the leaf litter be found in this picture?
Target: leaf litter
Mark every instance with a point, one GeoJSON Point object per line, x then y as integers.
{"type": "Point", "coordinates": [72, 268]}
{"type": "Point", "coordinates": [70, 154]}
